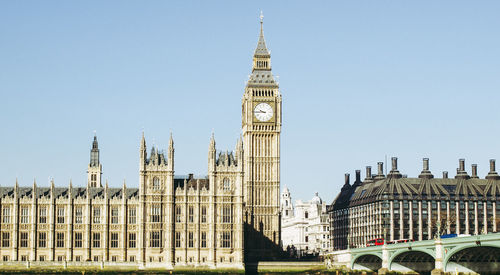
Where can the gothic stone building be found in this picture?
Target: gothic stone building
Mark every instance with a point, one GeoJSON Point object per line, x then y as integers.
{"type": "Point", "coordinates": [395, 207]}
{"type": "Point", "coordinates": [217, 221]}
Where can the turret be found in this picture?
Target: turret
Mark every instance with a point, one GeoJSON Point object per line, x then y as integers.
{"type": "Point", "coordinates": [142, 151]}
{"type": "Point", "coordinates": [171, 151]}
{"type": "Point", "coordinates": [94, 169]}
{"type": "Point", "coordinates": [212, 154]}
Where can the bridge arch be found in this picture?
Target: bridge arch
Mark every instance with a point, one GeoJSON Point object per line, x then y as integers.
{"type": "Point", "coordinates": [483, 259]}
{"type": "Point", "coordinates": [414, 260]}
{"type": "Point", "coordinates": [367, 261]}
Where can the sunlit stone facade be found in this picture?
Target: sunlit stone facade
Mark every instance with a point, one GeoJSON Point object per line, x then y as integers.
{"type": "Point", "coordinates": [169, 220]}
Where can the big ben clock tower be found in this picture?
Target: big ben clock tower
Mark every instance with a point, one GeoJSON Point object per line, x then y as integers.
{"type": "Point", "coordinates": [261, 127]}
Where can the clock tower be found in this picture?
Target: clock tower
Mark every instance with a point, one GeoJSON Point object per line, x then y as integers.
{"type": "Point", "coordinates": [261, 128]}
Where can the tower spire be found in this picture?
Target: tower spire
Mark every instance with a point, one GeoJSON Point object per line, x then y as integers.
{"type": "Point", "coordinates": [261, 50]}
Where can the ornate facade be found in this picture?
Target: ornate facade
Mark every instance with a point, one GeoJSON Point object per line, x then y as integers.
{"type": "Point", "coordinates": [168, 221]}
{"type": "Point", "coordinates": [395, 207]}
{"type": "Point", "coordinates": [305, 225]}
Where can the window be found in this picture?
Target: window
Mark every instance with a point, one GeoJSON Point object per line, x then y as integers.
{"type": "Point", "coordinates": [96, 240]}
{"type": "Point", "coordinates": [78, 239]}
{"type": "Point", "coordinates": [59, 239]}
{"type": "Point", "coordinates": [178, 214]}
{"type": "Point", "coordinates": [60, 258]}
{"type": "Point", "coordinates": [226, 239]}
{"type": "Point", "coordinates": [6, 214]}
{"type": "Point", "coordinates": [60, 214]}
{"type": "Point", "coordinates": [97, 215]}
{"type": "Point", "coordinates": [190, 239]}
{"type": "Point", "coordinates": [96, 258]}
{"type": "Point", "coordinates": [132, 215]}
{"type": "Point", "coordinates": [24, 239]}
{"type": "Point", "coordinates": [114, 240]}
{"type": "Point", "coordinates": [78, 215]}
{"type": "Point", "coordinates": [5, 239]}
{"type": "Point", "coordinates": [41, 258]}
{"type": "Point", "coordinates": [131, 240]}
{"type": "Point", "coordinates": [42, 239]}
{"type": "Point", "coordinates": [114, 215]}
{"type": "Point", "coordinates": [203, 214]}
{"type": "Point", "coordinates": [156, 183]}
{"type": "Point", "coordinates": [226, 214]}
{"type": "Point", "coordinates": [78, 258]}
{"type": "Point", "coordinates": [306, 215]}
{"type": "Point", "coordinates": [154, 239]}
{"type": "Point", "coordinates": [155, 213]}
{"type": "Point", "coordinates": [24, 258]}
{"type": "Point", "coordinates": [113, 258]}
{"type": "Point", "coordinates": [191, 214]}
{"type": "Point", "coordinates": [307, 239]}
{"type": "Point", "coordinates": [25, 214]}
{"type": "Point", "coordinates": [203, 239]}
{"type": "Point", "coordinates": [177, 239]}
{"type": "Point", "coordinates": [132, 258]}
{"type": "Point", "coordinates": [226, 184]}
{"type": "Point", "coordinates": [5, 258]}
{"type": "Point", "coordinates": [42, 215]}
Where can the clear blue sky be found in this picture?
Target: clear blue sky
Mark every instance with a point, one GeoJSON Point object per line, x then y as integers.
{"type": "Point", "coordinates": [360, 80]}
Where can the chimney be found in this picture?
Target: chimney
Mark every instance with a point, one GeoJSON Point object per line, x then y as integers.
{"type": "Point", "coordinates": [461, 165]}
{"type": "Point", "coordinates": [492, 174]}
{"type": "Point", "coordinates": [394, 163]}
{"type": "Point", "coordinates": [347, 180]}
{"type": "Point", "coordinates": [380, 174]}
{"type": "Point", "coordinates": [368, 173]}
{"type": "Point", "coordinates": [358, 176]}
{"type": "Point", "coordinates": [445, 174]}
{"type": "Point", "coordinates": [426, 164]}
{"type": "Point", "coordinates": [474, 171]}
{"type": "Point", "coordinates": [425, 170]}
{"type": "Point", "coordinates": [394, 173]}
{"type": "Point", "coordinates": [461, 170]}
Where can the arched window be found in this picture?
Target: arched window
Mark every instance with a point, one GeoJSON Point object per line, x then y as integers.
{"type": "Point", "coordinates": [226, 184]}
{"type": "Point", "coordinates": [156, 183]}
{"type": "Point", "coordinates": [306, 215]}
{"type": "Point", "coordinates": [286, 203]}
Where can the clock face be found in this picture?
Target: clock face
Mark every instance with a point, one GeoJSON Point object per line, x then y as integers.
{"type": "Point", "coordinates": [263, 112]}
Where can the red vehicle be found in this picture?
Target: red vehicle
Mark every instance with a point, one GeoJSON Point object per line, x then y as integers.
{"type": "Point", "coordinates": [375, 242]}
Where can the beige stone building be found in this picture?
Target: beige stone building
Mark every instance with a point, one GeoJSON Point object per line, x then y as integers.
{"type": "Point", "coordinates": [168, 221]}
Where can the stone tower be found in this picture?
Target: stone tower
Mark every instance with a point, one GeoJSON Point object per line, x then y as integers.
{"type": "Point", "coordinates": [261, 128]}
{"type": "Point", "coordinates": [94, 169]}
{"type": "Point", "coordinates": [286, 204]}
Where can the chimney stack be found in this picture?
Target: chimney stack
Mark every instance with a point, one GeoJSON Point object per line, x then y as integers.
{"type": "Point", "coordinates": [394, 163]}
{"type": "Point", "coordinates": [461, 170]}
{"type": "Point", "coordinates": [380, 174]}
{"type": "Point", "coordinates": [347, 180]}
{"type": "Point", "coordinates": [426, 164]}
{"type": "Point", "coordinates": [445, 174]}
{"type": "Point", "coordinates": [461, 165]}
{"type": "Point", "coordinates": [425, 171]}
{"type": "Point", "coordinates": [368, 173]}
{"type": "Point", "coordinates": [492, 174]}
{"type": "Point", "coordinates": [358, 176]}
{"type": "Point", "coordinates": [474, 171]}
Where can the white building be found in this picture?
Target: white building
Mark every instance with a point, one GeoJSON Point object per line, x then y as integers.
{"type": "Point", "coordinates": [305, 225]}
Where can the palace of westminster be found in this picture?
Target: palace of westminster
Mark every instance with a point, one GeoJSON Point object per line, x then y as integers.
{"type": "Point", "coordinates": [229, 217]}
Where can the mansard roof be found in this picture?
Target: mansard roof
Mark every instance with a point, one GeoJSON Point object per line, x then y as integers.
{"type": "Point", "coordinates": [461, 187]}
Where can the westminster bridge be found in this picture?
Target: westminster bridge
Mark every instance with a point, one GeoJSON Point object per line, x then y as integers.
{"type": "Point", "coordinates": [472, 254]}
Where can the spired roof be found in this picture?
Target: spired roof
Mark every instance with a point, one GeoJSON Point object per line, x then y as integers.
{"type": "Point", "coordinates": [261, 49]}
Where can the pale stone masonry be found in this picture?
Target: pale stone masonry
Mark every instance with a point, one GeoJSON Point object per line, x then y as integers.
{"type": "Point", "coordinates": [395, 207]}
{"type": "Point", "coordinates": [217, 221]}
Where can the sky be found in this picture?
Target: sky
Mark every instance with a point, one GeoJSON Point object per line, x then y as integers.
{"type": "Point", "coordinates": [361, 81]}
